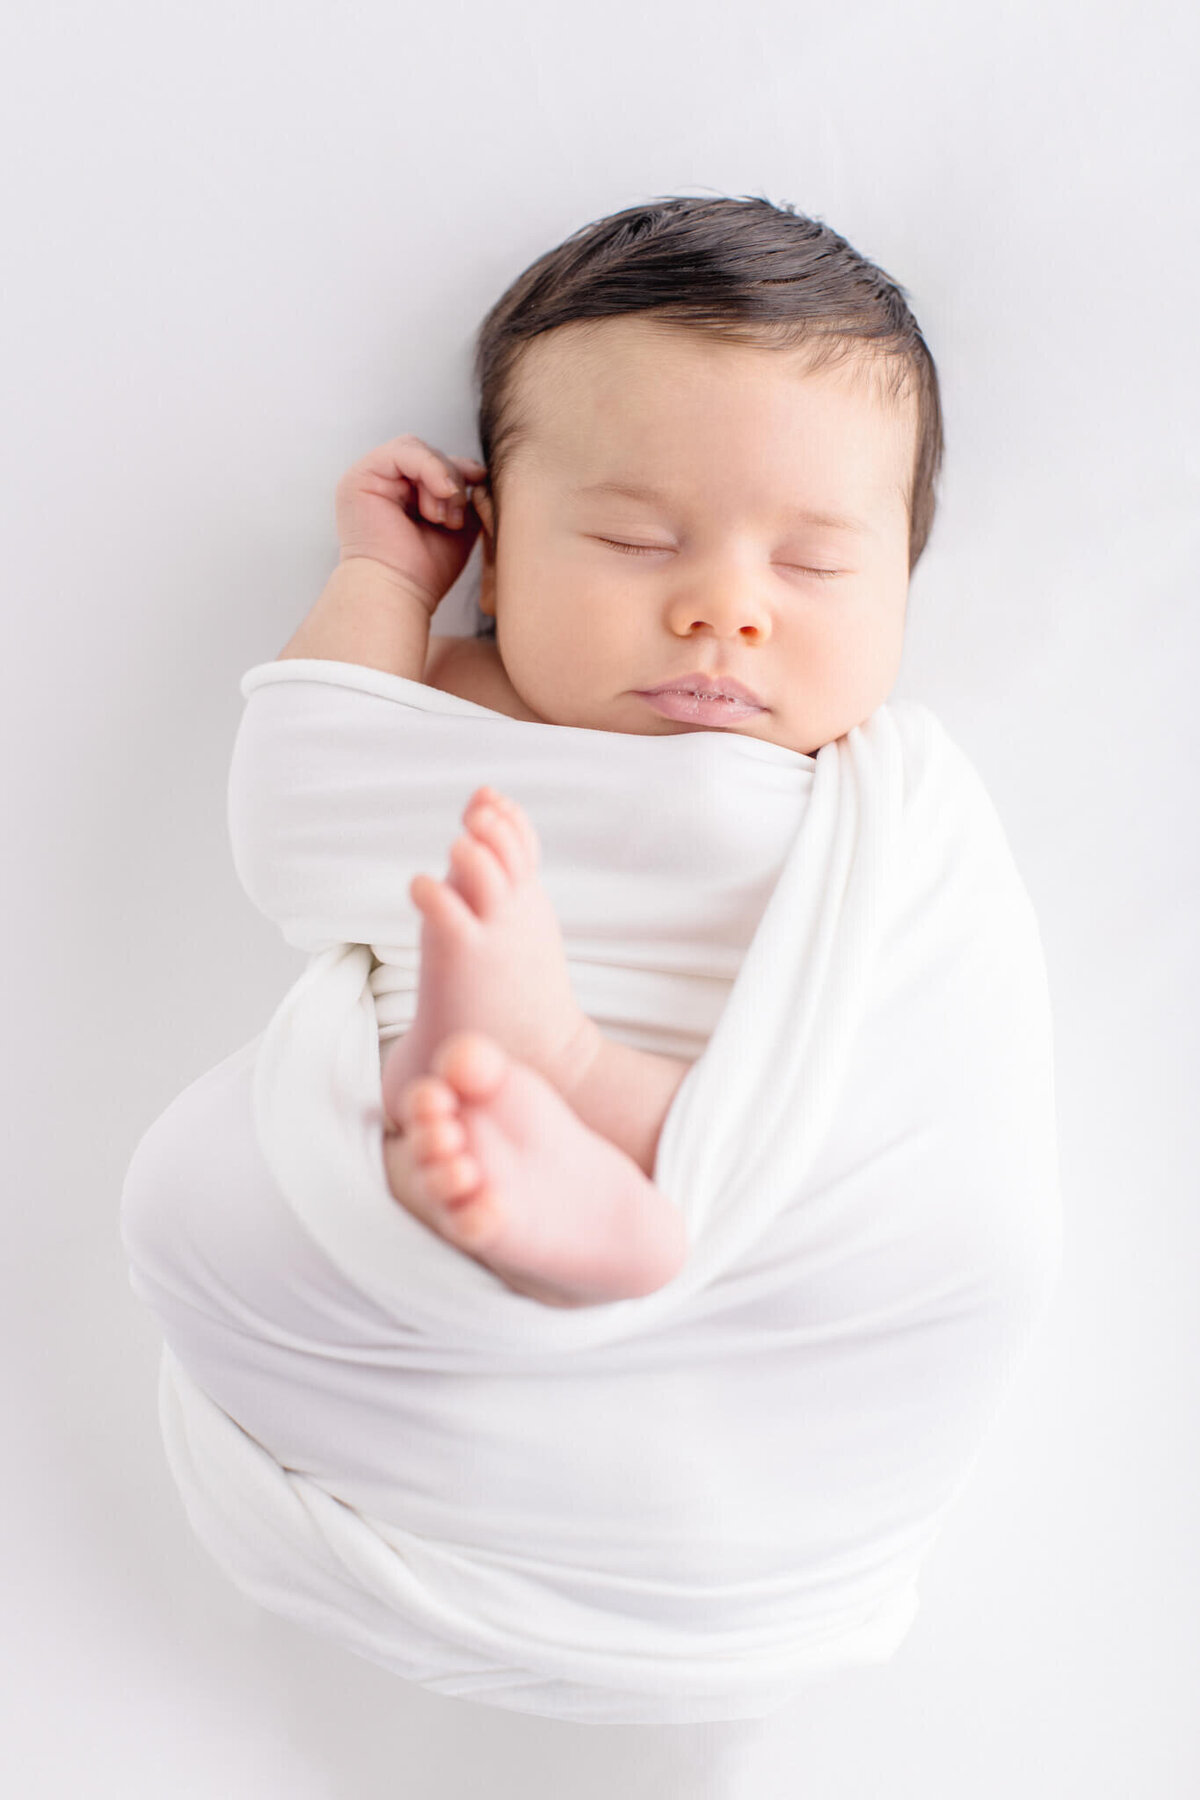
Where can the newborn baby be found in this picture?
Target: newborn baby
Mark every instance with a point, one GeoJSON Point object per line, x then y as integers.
{"type": "Point", "coordinates": [699, 535]}
{"type": "Point", "coordinates": [613, 1343]}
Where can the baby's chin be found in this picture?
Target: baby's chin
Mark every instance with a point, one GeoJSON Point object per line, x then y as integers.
{"type": "Point", "coordinates": [765, 726]}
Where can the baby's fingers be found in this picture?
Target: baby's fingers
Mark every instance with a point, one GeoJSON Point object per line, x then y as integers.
{"type": "Point", "coordinates": [407, 461]}
{"type": "Point", "coordinates": [407, 466]}
{"type": "Point", "coordinates": [444, 484]}
{"type": "Point", "coordinates": [458, 475]}
{"type": "Point", "coordinates": [450, 495]}
{"type": "Point", "coordinates": [469, 468]}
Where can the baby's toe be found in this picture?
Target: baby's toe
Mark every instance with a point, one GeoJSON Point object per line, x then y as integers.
{"type": "Point", "coordinates": [451, 1180]}
{"type": "Point", "coordinates": [480, 872]}
{"type": "Point", "coordinates": [501, 835]}
{"type": "Point", "coordinates": [425, 1099]}
{"type": "Point", "coordinates": [436, 1139]}
{"type": "Point", "coordinates": [522, 824]}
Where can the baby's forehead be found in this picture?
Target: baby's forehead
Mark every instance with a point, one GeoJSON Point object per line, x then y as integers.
{"type": "Point", "coordinates": [627, 374]}
{"type": "Point", "coordinates": [625, 408]}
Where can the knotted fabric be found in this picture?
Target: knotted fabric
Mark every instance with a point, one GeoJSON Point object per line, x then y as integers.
{"type": "Point", "coordinates": [673, 1508]}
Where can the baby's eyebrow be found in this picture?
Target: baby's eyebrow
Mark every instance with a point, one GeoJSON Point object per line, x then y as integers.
{"type": "Point", "coordinates": [805, 514]}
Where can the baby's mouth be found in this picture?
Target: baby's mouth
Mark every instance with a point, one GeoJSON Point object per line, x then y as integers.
{"type": "Point", "coordinates": [699, 706]}
{"type": "Point", "coordinates": [701, 687]}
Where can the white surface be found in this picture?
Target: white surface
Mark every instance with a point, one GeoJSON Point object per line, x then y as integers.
{"type": "Point", "coordinates": [237, 232]}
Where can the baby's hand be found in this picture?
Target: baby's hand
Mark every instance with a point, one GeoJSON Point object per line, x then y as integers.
{"type": "Point", "coordinates": [379, 504]}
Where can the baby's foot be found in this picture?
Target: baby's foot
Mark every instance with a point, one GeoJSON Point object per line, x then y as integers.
{"type": "Point", "coordinates": [492, 956]}
{"type": "Point", "coordinates": [494, 1160]}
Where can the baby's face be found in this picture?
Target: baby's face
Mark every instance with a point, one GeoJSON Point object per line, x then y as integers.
{"type": "Point", "coordinates": [599, 596]}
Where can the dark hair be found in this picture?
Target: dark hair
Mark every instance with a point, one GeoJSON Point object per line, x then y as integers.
{"type": "Point", "coordinates": [743, 270]}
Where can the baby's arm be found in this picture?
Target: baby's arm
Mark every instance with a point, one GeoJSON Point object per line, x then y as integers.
{"type": "Point", "coordinates": [406, 528]}
{"type": "Point", "coordinates": [368, 614]}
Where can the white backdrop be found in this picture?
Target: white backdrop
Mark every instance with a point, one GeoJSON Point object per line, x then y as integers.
{"type": "Point", "coordinates": [245, 242]}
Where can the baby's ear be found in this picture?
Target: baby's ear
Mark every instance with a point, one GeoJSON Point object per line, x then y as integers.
{"type": "Point", "coordinates": [481, 500]}
{"type": "Point", "coordinates": [487, 581]}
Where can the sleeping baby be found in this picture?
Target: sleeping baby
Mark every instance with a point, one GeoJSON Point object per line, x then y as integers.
{"type": "Point", "coordinates": [589, 1293]}
{"type": "Point", "coordinates": [703, 530]}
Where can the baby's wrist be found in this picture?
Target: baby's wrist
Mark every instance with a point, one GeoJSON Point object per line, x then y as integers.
{"type": "Point", "coordinates": [370, 615]}
{"type": "Point", "coordinates": [371, 569]}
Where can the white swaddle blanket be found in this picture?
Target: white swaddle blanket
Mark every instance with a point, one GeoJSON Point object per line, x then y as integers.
{"type": "Point", "coordinates": [664, 1509]}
